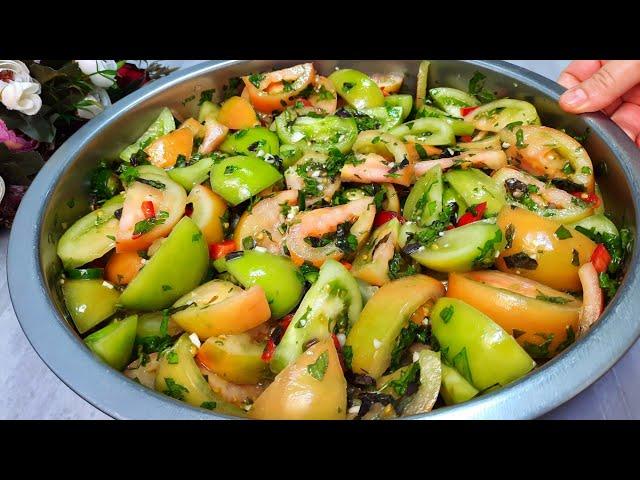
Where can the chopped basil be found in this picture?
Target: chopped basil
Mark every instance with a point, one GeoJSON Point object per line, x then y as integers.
{"type": "Point", "coordinates": [586, 170]}
{"type": "Point", "coordinates": [409, 335]}
{"type": "Point", "coordinates": [461, 363]}
{"type": "Point", "coordinates": [575, 258]}
{"type": "Point", "coordinates": [571, 337]}
{"type": "Point", "coordinates": [346, 86]}
{"type": "Point", "coordinates": [229, 169]}
{"type": "Point", "coordinates": [248, 243]}
{"type": "Point", "coordinates": [152, 183]}
{"type": "Point", "coordinates": [347, 355]}
{"type": "Point", "coordinates": [256, 79]}
{"type": "Point", "coordinates": [408, 376]}
{"type": "Point", "coordinates": [513, 125]}
{"type": "Point", "coordinates": [539, 350]}
{"type": "Point", "coordinates": [487, 254]}
{"type": "Point", "coordinates": [206, 96]}
{"type": "Point", "coordinates": [172, 357]}
{"type": "Point", "coordinates": [520, 139]}
{"type": "Point", "coordinates": [146, 225]}
{"type": "Point", "coordinates": [209, 405]}
{"type": "Point", "coordinates": [567, 169]}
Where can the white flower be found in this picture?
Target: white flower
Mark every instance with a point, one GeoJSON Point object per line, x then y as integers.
{"type": "Point", "coordinates": [18, 91]}
{"type": "Point", "coordinates": [101, 72]}
{"type": "Point", "coordinates": [93, 104]}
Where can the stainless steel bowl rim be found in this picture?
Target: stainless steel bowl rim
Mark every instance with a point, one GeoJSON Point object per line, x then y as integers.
{"type": "Point", "coordinates": [110, 391]}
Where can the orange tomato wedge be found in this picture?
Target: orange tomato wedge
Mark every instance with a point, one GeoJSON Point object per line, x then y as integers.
{"type": "Point", "coordinates": [163, 152]}
{"type": "Point", "coordinates": [214, 135]}
{"type": "Point", "coordinates": [208, 209]}
{"type": "Point", "coordinates": [222, 308]}
{"type": "Point", "coordinates": [298, 78]}
{"type": "Point", "coordinates": [528, 310]}
{"type": "Point", "coordinates": [237, 113]}
{"type": "Point", "coordinates": [123, 267]}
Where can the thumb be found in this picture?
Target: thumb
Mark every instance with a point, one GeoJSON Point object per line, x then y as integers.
{"type": "Point", "coordinates": [609, 83]}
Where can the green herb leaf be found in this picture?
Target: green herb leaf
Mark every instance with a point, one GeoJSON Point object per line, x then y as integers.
{"type": "Point", "coordinates": [174, 389]}
{"type": "Point", "coordinates": [209, 405]}
{"type": "Point", "coordinates": [562, 233]}
{"type": "Point", "coordinates": [446, 314]}
{"type": "Point", "coordinates": [546, 298]}
{"type": "Point", "coordinates": [319, 367]}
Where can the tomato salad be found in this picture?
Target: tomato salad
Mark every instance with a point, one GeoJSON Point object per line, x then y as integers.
{"type": "Point", "coordinates": [337, 247]}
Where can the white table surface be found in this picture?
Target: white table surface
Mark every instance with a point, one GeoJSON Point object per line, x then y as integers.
{"type": "Point", "coordinates": [31, 391]}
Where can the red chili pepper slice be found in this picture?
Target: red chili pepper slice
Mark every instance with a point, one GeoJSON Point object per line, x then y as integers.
{"type": "Point", "coordinates": [467, 110]}
{"type": "Point", "coordinates": [473, 214]}
{"type": "Point", "coordinates": [217, 250]}
{"type": "Point", "coordinates": [588, 197]}
{"type": "Point", "coordinates": [466, 138]}
{"type": "Point", "coordinates": [148, 209]}
{"type": "Point", "coordinates": [601, 258]}
{"type": "Point", "coordinates": [267, 353]}
{"type": "Point", "coordinates": [385, 216]}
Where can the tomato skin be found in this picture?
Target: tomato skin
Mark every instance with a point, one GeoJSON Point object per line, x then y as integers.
{"type": "Point", "coordinates": [469, 217]}
{"type": "Point", "coordinates": [217, 250]}
{"type": "Point", "coordinates": [268, 351]}
{"type": "Point", "coordinates": [122, 267]}
{"type": "Point", "coordinates": [383, 217]}
{"type": "Point", "coordinates": [266, 102]}
{"type": "Point", "coordinates": [601, 258]}
{"type": "Point", "coordinates": [467, 110]}
{"type": "Point", "coordinates": [466, 138]}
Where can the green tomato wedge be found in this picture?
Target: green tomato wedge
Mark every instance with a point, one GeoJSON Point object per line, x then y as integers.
{"type": "Point", "coordinates": [475, 187]}
{"type": "Point", "coordinates": [598, 223]}
{"type": "Point", "coordinates": [357, 88]}
{"type": "Point", "coordinates": [208, 111]}
{"type": "Point", "coordinates": [89, 302]}
{"type": "Point", "coordinates": [332, 305]}
{"type": "Point", "coordinates": [460, 127]}
{"type": "Point", "coordinates": [403, 101]}
{"type": "Point", "coordinates": [496, 115]}
{"type": "Point", "coordinates": [424, 202]}
{"type": "Point", "coordinates": [375, 334]}
{"type": "Point", "coordinates": [477, 347]}
{"type": "Point", "coordinates": [463, 249]}
{"type": "Point", "coordinates": [430, 379]}
{"type": "Point", "coordinates": [179, 377]}
{"type": "Point", "coordinates": [432, 131]}
{"type": "Point", "coordinates": [449, 195]}
{"type": "Point", "coordinates": [290, 154]}
{"type": "Point", "coordinates": [451, 100]}
{"type": "Point", "coordinates": [278, 276]}
{"type": "Point", "coordinates": [366, 290]}
{"type": "Point", "coordinates": [192, 175]}
{"type": "Point", "coordinates": [319, 134]}
{"type": "Point", "coordinates": [372, 260]}
{"type": "Point", "coordinates": [251, 141]}
{"type": "Point", "coordinates": [114, 343]}
{"type": "Point", "coordinates": [175, 269]}
{"type": "Point", "coordinates": [238, 178]}
{"type": "Point", "coordinates": [389, 117]}
{"type": "Point", "coordinates": [150, 325]}
{"type": "Point", "coordinates": [91, 236]}
{"type": "Point", "coordinates": [455, 389]}
{"type": "Point", "coordinates": [164, 124]}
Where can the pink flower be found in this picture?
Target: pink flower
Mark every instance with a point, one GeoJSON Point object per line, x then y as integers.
{"type": "Point", "coordinates": [15, 142]}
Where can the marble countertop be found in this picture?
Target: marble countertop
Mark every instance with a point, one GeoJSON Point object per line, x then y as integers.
{"type": "Point", "coordinates": [32, 391]}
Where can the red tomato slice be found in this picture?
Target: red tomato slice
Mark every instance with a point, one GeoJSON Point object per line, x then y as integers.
{"type": "Point", "coordinates": [300, 77]}
{"type": "Point", "coordinates": [217, 250]}
{"type": "Point", "coordinates": [148, 209]}
{"type": "Point", "coordinates": [386, 216]}
{"type": "Point", "coordinates": [467, 110]}
{"type": "Point", "coordinates": [601, 258]}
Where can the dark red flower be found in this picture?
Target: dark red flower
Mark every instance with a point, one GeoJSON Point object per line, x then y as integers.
{"type": "Point", "coordinates": [130, 75]}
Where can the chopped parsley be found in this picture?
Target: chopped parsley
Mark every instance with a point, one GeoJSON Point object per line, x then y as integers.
{"type": "Point", "coordinates": [172, 357]}
{"type": "Point", "coordinates": [409, 375]}
{"type": "Point", "coordinates": [487, 254]}
{"type": "Point", "coordinates": [209, 405]}
{"type": "Point", "coordinates": [562, 233]}
{"type": "Point", "coordinates": [256, 79]}
{"type": "Point", "coordinates": [206, 96]}
{"type": "Point", "coordinates": [546, 298]}
{"type": "Point", "coordinates": [476, 88]}
{"type": "Point", "coordinates": [539, 350]}
{"type": "Point", "coordinates": [229, 169]}
{"type": "Point", "coordinates": [520, 139]}
{"type": "Point", "coordinates": [446, 314]}
{"type": "Point", "coordinates": [146, 225]}
{"type": "Point", "coordinates": [346, 86]}
{"type": "Point", "coordinates": [318, 368]}
{"type": "Point", "coordinates": [174, 389]}
{"type": "Point", "coordinates": [409, 335]}
{"type": "Point", "coordinates": [347, 355]}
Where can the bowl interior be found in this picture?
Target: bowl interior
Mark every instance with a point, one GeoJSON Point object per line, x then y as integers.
{"type": "Point", "coordinates": [66, 197]}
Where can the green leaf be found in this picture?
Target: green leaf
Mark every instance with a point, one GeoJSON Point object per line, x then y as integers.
{"type": "Point", "coordinates": [19, 168]}
{"type": "Point", "coordinates": [319, 367]}
{"type": "Point", "coordinates": [36, 126]}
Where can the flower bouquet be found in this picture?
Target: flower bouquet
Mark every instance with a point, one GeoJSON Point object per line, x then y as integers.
{"type": "Point", "coordinates": [43, 102]}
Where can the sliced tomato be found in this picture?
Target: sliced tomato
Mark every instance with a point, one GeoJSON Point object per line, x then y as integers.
{"type": "Point", "coordinates": [218, 250]}
{"type": "Point", "coordinates": [466, 138]}
{"type": "Point", "coordinates": [385, 216]}
{"type": "Point", "coordinates": [168, 205]}
{"type": "Point", "coordinates": [324, 95]}
{"type": "Point", "coordinates": [297, 78]}
{"type": "Point", "coordinates": [208, 208]}
{"type": "Point", "coordinates": [389, 83]}
{"type": "Point", "coordinates": [601, 258]}
{"type": "Point", "coordinates": [122, 267]}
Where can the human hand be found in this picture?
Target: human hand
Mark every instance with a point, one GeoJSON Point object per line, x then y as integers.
{"type": "Point", "coordinates": [612, 86]}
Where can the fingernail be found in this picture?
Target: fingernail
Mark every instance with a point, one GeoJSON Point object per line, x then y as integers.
{"type": "Point", "coordinates": [574, 97]}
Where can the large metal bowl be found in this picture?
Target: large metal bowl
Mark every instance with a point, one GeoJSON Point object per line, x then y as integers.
{"type": "Point", "coordinates": [58, 196]}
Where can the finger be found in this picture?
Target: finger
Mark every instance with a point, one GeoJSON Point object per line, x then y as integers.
{"type": "Point", "coordinates": [628, 119]}
{"type": "Point", "coordinates": [608, 111]}
{"type": "Point", "coordinates": [568, 80]}
{"type": "Point", "coordinates": [582, 69]}
{"type": "Point", "coordinates": [613, 80]}
{"type": "Point", "coordinates": [633, 95]}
